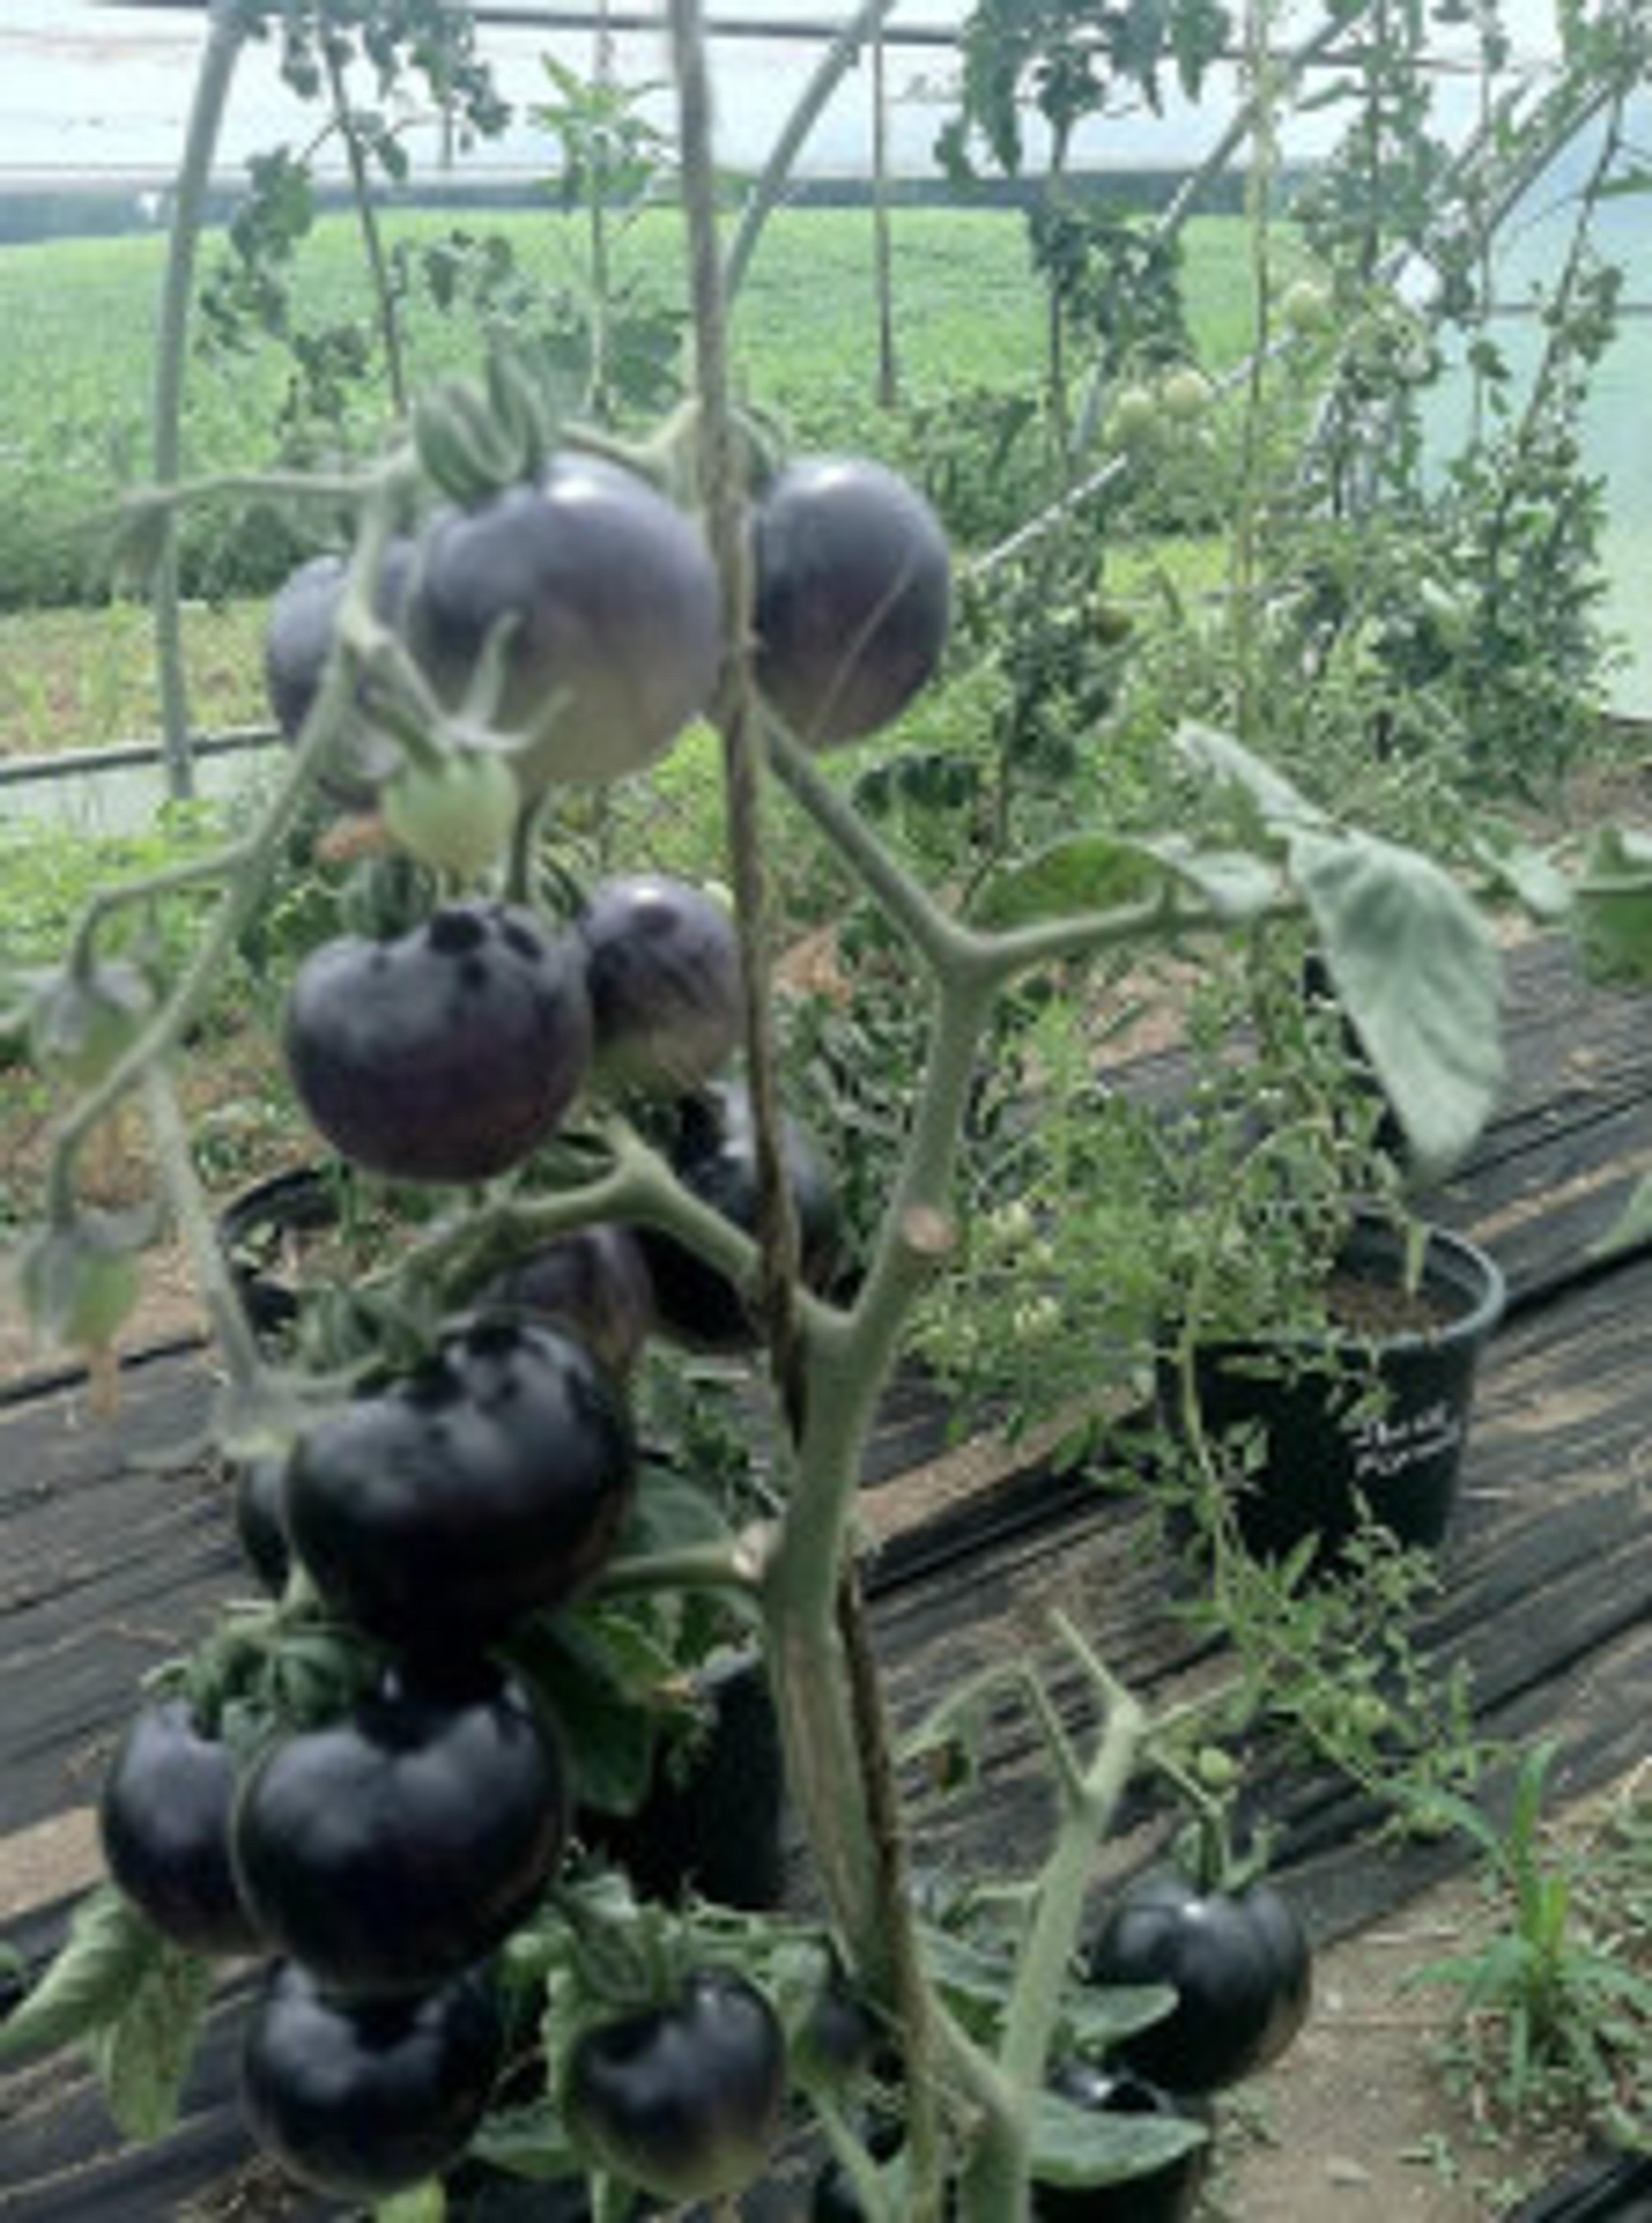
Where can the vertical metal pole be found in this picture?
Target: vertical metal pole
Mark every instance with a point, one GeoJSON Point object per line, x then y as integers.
{"type": "Point", "coordinates": [888, 380]}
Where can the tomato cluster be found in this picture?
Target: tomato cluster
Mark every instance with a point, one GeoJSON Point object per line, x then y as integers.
{"type": "Point", "coordinates": [379, 1848]}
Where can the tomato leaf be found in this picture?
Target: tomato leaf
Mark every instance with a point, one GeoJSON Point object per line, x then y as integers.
{"type": "Point", "coordinates": [1613, 906]}
{"type": "Point", "coordinates": [108, 1947]}
{"type": "Point", "coordinates": [1076, 2146]}
{"type": "Point", "coordinates": [1092, 872]}
{"type": "Point", "coordinates": [1100, 2014]}
{"type": "Point", "coordinates": [1236, 884]}
{"type": "Point", "coordinates": [598, 1677]}
{"type": "Point", "coordinates": [1531, 876]}
{"type": "Point", "coordinates": [1280, 806]}
{"type": "Point", "coordinates": [143, 2055]}
{"type": "Point", "coordinates": [1418, 976]}
{"type": "Point", "coordinates": [670, 1514]}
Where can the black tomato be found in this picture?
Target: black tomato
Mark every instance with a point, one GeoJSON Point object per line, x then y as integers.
{"type": "Point", "coordinates": [447, 1054]}
{"type": "Point", "coordinates": [713, 1153]}
{"type": "Point", "coordinates": [163, 1818]}
{"type": "Point", "coordinates": [363, 2099]}
{"type": "Point", "coordinates": [298, 640]}
{"type": "Point", "coordinates": [490, 1481]}
{"type": "Point", "coordinates": [853, 597]}
{"type": "Point", "coordinates": [1166, 2195]}
{"type": "Point", "coordinates": [614, 606]}
{"type": "Point", "coordinates": [682, 2100]}
{"type": "Point", "coordinates": [593, 1284]}
{"type": "Point", "coordinates": [663, 970]}
{"type": "Point", "coordinates": [392, 1849]}
{"type": "Point", "coordinates": [1238, 1961]}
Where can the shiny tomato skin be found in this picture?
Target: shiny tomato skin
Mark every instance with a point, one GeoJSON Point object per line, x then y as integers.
{"type": "Point", "coordinates": [488, 1483]}
{"type": "Point", "coordinates": [664, 974]}
{"type": "Point", "coordinates": [616, 607]}
{"type": "Point", "coordinates": [853, 597]}
{"type": "Point", "coordinates": [394, 1848]}
{"type": "Point", "coordinates": [681, 2099]}
{"type": "Point", "coordinates": [447, 1054]}
{"type": "Point", "coordinates": [163, 1816]}
{"type": "Point", "coordinates": [365, 2098]}
{"type": "Point", "coordinates": [1239, 1961]}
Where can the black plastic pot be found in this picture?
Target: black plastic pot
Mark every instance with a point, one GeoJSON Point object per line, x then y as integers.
{"type": "Point", "coordinates": [1329, 1449]}
{"type": "Point", "coordinates": [253, 1231]}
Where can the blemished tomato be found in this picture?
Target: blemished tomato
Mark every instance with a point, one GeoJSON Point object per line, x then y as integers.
{"type": "Point", "coordinates": [593, 1284]}
{"type": "Point", "coordinates": [1238, 1961]}
{"type": "Point", "coordinates": [395, 1847]}
{"type": "Point", "coordinates": [713, 1153]}
{"type": "Point", "coordinates": [853, 597]}
{"type": "Point", "coordinates": [488, 1483]}
{"type": "Point", "coordinates": [664, 974]}
{"type": "Point", "coordinates": [363, 2099]}
{"type": "Point", "coordinates": [447, 1054]}
{"type": "Point", "coordinates": [613, 606]}
{"type": "Point", "coordinates": [163, 1816]}
{"type": "Point", "coordinates": [683, 2099]}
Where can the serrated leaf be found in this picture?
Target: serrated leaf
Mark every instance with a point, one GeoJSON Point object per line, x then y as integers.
{"type": "Point", "coordinates": [108, 1947]}
{"type": "Point", "coordinates": [1417, 975]}
{"type": "Point", "coordinates": [1280, 804]}
{"type": "Point", "coordinates": [1613, 903]}
{"type": "Point", "coordinates": [1090, 872]}
{"type": "Point", "coordinates": [143, 2057]}
{"type": "Point", "coordinates": [968, 1972]}
{"type": "Point", "coordinates": [1075, 2146]}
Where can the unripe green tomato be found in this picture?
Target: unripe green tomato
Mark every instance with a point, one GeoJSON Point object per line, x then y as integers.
{"type": "Point", "coordinates": [1186, 395]}
{"type": "Point", "coordinates": [1306, 307]}
{"type": "Point", "coordinates": [1133, 414]}
{"type": "Point", "coordinates": [456, 816]}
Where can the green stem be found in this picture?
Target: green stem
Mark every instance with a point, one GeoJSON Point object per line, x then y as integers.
{"type": "Point", "coordinates": [203, 977]}
{"type": "Point", "coordinates": [1089, 1808]}
{"type": "Point", "coordinates": [226, 30]}
{"type": "Point", "coordinates": [104, 902]}
{"type": "Point", "coordinates": [728, 1566]}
